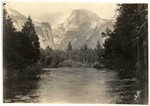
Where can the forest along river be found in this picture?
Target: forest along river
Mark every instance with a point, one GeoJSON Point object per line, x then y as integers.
{"type": "Point", "coordinates": [71, 85]}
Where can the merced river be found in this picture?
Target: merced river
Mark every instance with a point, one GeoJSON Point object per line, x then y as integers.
{"type": "Point", "coordinates": [72, 85]}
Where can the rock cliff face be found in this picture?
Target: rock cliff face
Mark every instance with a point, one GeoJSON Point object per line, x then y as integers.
{"type": "Point", "coordinates": [43, 29]}
{"type": "Point", "coordinates": [82, 27]}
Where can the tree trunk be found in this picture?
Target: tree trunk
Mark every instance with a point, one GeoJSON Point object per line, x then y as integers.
{"type": "Point", "coordinates": [142, 60]}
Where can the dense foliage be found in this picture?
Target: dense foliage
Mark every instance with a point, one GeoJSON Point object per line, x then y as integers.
{"type": "Point", "coordinates": [121, 44]}
{"type": "Point", "coordinates": [126, 48]}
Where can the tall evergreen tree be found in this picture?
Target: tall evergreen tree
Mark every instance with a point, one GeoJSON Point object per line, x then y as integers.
{"type": "Point", "coordinates": [85, 47]}
{"type": "Point", "coordinates": [16, 46]}
{"type": "Point", "coordinates": [120, 50]}
{"type": "Point", "coordinates": [69, 51]}
{"type": "Point", "coordinates": [81, 49]}
{"type": "Point", "coordinates": [8, 40]}
{"type": "Point", "coordinates": [99, 51]}
{"type": "Point", "coordinates": [29, 30]}
{"type": "Point", "coordinates": [69, 46]}
{"type": "Point", "coordinates": [23, 47]}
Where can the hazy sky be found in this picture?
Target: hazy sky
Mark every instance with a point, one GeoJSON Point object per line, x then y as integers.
{"type": "Point", "coordinates": [55, 13]}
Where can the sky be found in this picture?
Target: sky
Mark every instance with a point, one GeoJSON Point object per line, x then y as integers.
{"type": "Point", "coordinates": [56, 13]}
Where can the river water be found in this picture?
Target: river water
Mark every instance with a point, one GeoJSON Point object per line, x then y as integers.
{"type": "Point", "coordinates": [72, 85]}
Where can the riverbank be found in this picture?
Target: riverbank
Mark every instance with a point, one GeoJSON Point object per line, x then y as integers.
{"type": "Point", "coordinates": [29, 72]}
{"type": "Point", "coordinates": [74, 64]}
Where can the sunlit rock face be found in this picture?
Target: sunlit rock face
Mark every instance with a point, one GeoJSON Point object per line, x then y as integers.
{"type": "Point", "coordinates": [43, 29]}
{"type": "Point", "coordinates": [45, 35]}
{"type": "Point", "coordinates": [100, 27]}
{"type": "Point", "coordinates": [81, 27]}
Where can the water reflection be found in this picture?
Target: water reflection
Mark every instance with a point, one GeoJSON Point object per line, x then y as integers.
{"type": "Point", "coordinates": [20, 89]}
{"type": "Point", "coordinates": [71, 85]}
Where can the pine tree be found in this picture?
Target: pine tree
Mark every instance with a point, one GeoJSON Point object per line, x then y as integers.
{"type": "Point", "coordinates": [29, 30]}
{"type": "Point", "coordinates": [120, 51]}
{"type": "Point", "coordinates": [69, 46]}
{"type": "Point", "coordinates": [81, 54]}
{"type": "Point", "coordinates": [23, 47]}
{"type": "Point", "coordinates": [85, 47]}
{"type": "Point", "coordinates": [69, 51]}
{"type": "Point", "coordinates": [8, 40]}
{"type": "Point", "coordinates": [99, 51]}
{"type": "Point", "coordinates": [98, 47]}
{"type": "Point", "coordinates": [81, 49]}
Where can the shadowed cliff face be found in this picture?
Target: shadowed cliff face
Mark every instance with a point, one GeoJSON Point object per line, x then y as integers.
{"type": "Point", "coordinates": [43, 29]}
{"type": "Point", "coordinates": [81, 27]}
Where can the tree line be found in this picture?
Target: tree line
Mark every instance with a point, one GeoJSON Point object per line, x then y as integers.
{"type": "Point", "coordinates": [84, 55]}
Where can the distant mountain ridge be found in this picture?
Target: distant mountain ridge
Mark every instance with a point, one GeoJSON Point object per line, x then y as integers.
{"type": "Point", "coordinates": [81, 27]}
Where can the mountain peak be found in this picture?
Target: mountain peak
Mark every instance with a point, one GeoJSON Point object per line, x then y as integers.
{"type": "Point", "coordinates": [81, 27]}
{"type": "Point", "coordinates": [83, 13]}
{"type": "Point", "coordinates": [80, 18]}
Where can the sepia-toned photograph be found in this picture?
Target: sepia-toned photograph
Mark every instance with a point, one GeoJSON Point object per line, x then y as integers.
{"type": "Point", "coordinates": [75, 52]}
